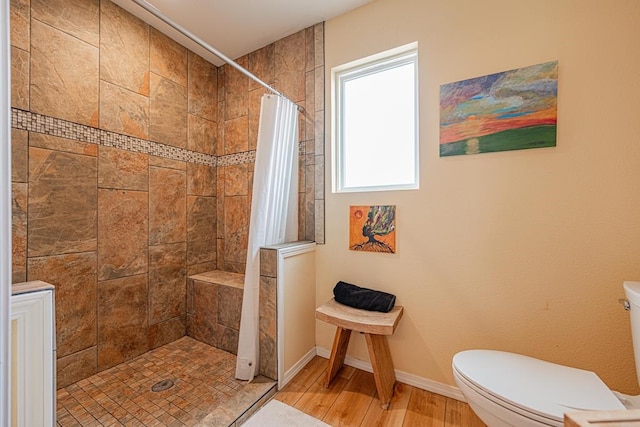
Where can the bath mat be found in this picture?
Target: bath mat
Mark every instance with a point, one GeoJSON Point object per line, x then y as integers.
{"type": "Point", "coordinates": [277, 414]}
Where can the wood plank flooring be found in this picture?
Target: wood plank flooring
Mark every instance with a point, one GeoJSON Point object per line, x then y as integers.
{"type": "Point", "coordinates": [352, 401]}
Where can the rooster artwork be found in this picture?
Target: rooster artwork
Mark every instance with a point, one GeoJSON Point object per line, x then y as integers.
{"type": "Point", "coordinates": [372, 228]}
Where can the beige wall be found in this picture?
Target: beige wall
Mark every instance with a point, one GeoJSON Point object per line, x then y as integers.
{"type": "Point", "coordinates": [523, 251]}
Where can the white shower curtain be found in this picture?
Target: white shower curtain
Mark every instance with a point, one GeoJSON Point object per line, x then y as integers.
{"type": "Point", "coordinates": [274, 213]}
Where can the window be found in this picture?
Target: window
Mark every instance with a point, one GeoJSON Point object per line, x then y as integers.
{"type": "Point", "coordinates": [375, 105]}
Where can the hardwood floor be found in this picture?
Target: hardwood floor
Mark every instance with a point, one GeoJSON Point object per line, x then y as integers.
{"type": "Point", "coordinates": [352, 401]}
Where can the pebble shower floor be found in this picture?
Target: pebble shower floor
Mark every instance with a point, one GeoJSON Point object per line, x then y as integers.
{"type": "Point", "coordinates": [204, 392]}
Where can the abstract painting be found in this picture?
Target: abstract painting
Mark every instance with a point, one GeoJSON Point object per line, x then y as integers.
{"type": "Point", "coordinates": [372, 228]}
{"type": "Point", "coordinates": [512, 110]}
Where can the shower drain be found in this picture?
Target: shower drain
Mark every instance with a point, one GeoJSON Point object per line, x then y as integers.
{"type": "Point", "coordinates": [162, 385]}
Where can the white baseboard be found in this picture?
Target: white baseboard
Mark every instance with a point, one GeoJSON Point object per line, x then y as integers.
{"type": "Point", "coordinates": [288, 375]}
{"type": "Point", "coordinates": [403, 377]}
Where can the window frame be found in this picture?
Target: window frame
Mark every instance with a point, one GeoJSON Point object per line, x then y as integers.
{"type": "Point", "coordinates": [403, 55]}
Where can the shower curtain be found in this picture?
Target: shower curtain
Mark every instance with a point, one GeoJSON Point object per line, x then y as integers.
{"type": "Point", "coordinates": [274, 213]}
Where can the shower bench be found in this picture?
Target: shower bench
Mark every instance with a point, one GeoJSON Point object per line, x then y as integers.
{"type": "Point", "coordinates": [375, 326]}
{"type": "Point", "coordinates": [214, 303]}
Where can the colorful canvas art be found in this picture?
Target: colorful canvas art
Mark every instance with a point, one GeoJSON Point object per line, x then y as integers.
{"type": "Point", "coordinates": [512, 110]}
{"type": "Point", "coordinates": [372, 228]}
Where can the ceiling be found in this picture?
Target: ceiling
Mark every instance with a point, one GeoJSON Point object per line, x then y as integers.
{"type": "Point", "coordinates": [238, 27]}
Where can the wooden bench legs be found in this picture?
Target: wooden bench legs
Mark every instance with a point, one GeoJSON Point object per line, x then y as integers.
{"type": "Point", "coordinates": [338, 352]}
{"type": "Point", "coordinates": [380, 360]}
{"type": "Point", "coordinates": [382, 367]}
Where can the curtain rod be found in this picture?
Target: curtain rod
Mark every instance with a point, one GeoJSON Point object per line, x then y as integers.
{"type": "Point", "coordinates": [155, 12]}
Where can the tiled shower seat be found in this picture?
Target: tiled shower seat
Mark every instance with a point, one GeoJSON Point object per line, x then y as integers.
{"type": "Point", "coordinates": [214, 304]}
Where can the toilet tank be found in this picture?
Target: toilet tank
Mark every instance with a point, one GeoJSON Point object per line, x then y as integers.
{"type": "Point", "coordinates": [632, 292]}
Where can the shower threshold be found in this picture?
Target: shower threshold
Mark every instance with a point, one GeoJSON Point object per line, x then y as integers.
{"type": "Point", "coordinates": [194, 383]}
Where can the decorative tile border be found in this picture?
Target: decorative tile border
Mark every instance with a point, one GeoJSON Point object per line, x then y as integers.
{"type": "Point", "coordinates": [34, 122]}
{"type": "Point", "coordinates": [249, 156]}
{"type": "Point", "coordinates": [237, 158]}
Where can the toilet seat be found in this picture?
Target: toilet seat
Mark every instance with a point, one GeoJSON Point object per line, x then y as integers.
{"type": "Point", "coordinates": [533, 388]}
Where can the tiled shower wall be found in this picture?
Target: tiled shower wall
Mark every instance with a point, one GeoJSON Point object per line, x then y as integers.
{"type": "Point", "coordinates": [295, 66]}
{"type": "Point", "coordinates": [117, 132]}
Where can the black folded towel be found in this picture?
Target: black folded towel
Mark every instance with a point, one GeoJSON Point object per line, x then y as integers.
{"type": "Point", "coordinates": [363, 298]}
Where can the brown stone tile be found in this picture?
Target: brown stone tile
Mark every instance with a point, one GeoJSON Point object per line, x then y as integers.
{"type": "Point", "coordinates": [255, 102]}
{"type": "Point", "coordinates": [167, 112]}
{"type": "Point", "coordinates": [19, 150]}
{"type": "Point", "coordinates": [167, 163]}
{"type": "Point", "coordinates": [319, 177]}
{"type": "Point", "coordinates": [202, 324]}
{"type": "Point", "coordinates": [20, 11]}
{"type": "Point", "coordinates": [167, 281]}
{"type": "Point", "coordinates": [201, 180]}
{"type": "Point", "coordinates": [167, 206]}
{"type": "Point", "coordinates": [19, 78]}
{"type": "Point", "coordinates": [227, 339]}
{"type": "Point", "coordinates": [220, 139]}
{"type": "Point", "coordinates": [301, 215]}
{"type": "Point", "coordinates": [319, 132]}
{"type": "Point", "coordinates": [268, 326]}
{"type": "Point", "coordinates": [268, 262]}
{"type": "Point", "coordinates": [236, 87]}
{"type": "Point", "coordinates": [231, 306]}
{"type": "Point", "coordinates": [79, 18]}
{"type": "Point", "coordinates": [261, 64]}
{"type": "Point", "coordinates": [236, 180]}
{"type": "Point", "coordinates": [319, 89]}
{"type": "Point", "coordinates": [290, 66]}
{"type": "Point", "coordinates": [123, 169]}
{"type": "Point", "coordinates": [168, 58]}
{"type": "Point", "coordinates": [122, 320]}
{"type": "Point", "coordinates": [18, 232]}
{"type": "Point", "coordinates": [236, 226]}
{"type": "Point", "coordinates": [301, 124]}
{"type": "Point", "coordinates": [76, 367]}
{"type": "Point", "coordinates": [310, 52]}
{"type": "Point", "coordinates": [220, 248]}
{"type": "Point", "coordinates": [308, 147]}
{"type": "Point", "coordinates": [221, 79]}
{"type": "Point", "coordinates": [189, 306]}
{"type": "Point", "coordinates": [74, 276]}
{"type": "Point", "coordinates": [62, 203]}
{"type": "Point", "coordinates": [64, 75]}
{"type": "Point", "coordinates": [220, 204]}
{"type": "Point", "coordinates": [268, 360]}
{"type": "Point", "coordinates": [318, 30]}
{"type": "Point", "coordinates": [168, 331]}
{"type": "Point", "coordinates": [202, 88]}
{"type": "Point", "coordinates": [309, 220]}
{"type": "Point", "coordinates": [235, 266]}
{"type": "Point", "coordinates": [201, 229]}
{"type": "Point", "coordinates": [124, 49]}
{"type": "Point", "coordinates": [50, 142]}
{"type": "Point", "coordinates": [122, 233]}
{"type": "Point", "coordinates": [319, 222]}
{"type": "Point", "coordinates": [236, 135]}
{"type": "Point", "coordinates": [310, 102]}
{"type": "Point", "coordinates": [123, 111]}
{"type": "Point", "coordinates": [202, 135]}
{"type": "Point", "coordinates": [309, 172]}
{"type": "Point", "coordinates": [202, 267]}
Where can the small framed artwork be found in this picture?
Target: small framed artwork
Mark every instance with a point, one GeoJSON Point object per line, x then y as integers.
{"type": "Point", "coordinates": [511, 110]}
{"type": "Point", "coordinates": [372, 228]}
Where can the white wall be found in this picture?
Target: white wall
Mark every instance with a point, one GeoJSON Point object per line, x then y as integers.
{"type": "Point", "coordinates": [523, 251]}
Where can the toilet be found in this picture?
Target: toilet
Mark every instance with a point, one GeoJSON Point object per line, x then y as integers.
{"type": "Point", "coordinates": [507, 389]}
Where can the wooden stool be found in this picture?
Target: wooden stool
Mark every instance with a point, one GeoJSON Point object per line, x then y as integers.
{"type": "Point", "coordinates": [375, 326]}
